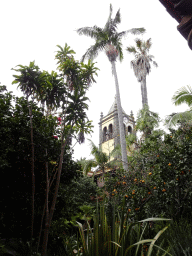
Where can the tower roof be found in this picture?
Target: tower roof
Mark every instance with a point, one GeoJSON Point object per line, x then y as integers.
{"type": "Point", "coordinates": [114, 107]}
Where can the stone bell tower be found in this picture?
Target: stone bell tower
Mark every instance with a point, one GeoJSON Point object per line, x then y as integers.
{"type": "Point", "coordinates": [109, 136]}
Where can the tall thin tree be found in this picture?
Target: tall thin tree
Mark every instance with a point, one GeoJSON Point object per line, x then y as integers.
{"type": "Point", "coordinates": [30, 84]}
{"type": "Point", "coordinates": [109, 40]}
{"type": "Point", "coordinates": [141, 64]}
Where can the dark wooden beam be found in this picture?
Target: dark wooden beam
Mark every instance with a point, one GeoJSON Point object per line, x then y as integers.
{"type": "Point", "coordinates": [181, 10]}
{"type": "Point", "coordinates": [169, 5]}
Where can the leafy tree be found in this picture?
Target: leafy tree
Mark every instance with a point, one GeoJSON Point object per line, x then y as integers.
{"type": "Point", "coordinates": [159, 181]}
{"type": "Point", "coordinates": [109, 39]}
{"type": "Point", "coordinates": [65, 93]}
{"type": "Point", "coordinates": [147, 121]}
{"type": "Point", "coordinates": [183, 95]}
{"type": "Point", "coordinates": [141, 64]}
{"type": "Point", "coordinates": [80, 192]}
{"type": "Point", "coordinates": [30, 82]}
{"type": "Point", "coordinates": [15, 155]}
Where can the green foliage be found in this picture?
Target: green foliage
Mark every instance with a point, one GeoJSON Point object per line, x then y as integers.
{"type": "Point", "coordinates": [100, 160]}
{"type": "Point", "coordinates": [106, 36]}
{"type": "Point", "coordinates": [79, 192]}
{"type": "Point", "coordinates": [179, 237]}
{"type": "Point", "coordinates": [119, 237]}
{"type": "Point", "coordinates": [177, 119]}
{"type": "Point", "coordinates": [147, 121]}
{"type": "Point", "coordinates": [183, 95]}
{"type": "Point", "coordinates": [30, 79]}
{"type": "Point", "coordinates": [15, 155]}
{"type": "Point", "coordinates": [159, 180]}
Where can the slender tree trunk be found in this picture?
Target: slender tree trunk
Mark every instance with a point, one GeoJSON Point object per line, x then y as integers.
{"type": "Point", "coordinates": [33, 179]}
{"type": "Point", "coordinates": [46, 231]}
{"type": "Point", "coordinates": [39, 238]}
{"type": "Point", "coordinates": [45, 239]}
{"type": "Point", "coordinates": [120, 117]}
{"type": "Point", "coordinates": [144, 91]}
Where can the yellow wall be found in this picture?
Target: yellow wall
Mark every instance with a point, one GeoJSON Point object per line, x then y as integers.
{"type": "Point", "coordinates": [108, 146]}
{"type": "Point", "coordinates": [108, 122]}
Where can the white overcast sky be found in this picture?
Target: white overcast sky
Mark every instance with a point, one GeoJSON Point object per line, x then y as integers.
{"type": "Point", "coordinates": [30, 30]}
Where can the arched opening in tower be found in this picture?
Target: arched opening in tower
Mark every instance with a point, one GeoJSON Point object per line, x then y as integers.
{"type": "Point", "coordinates": [129, 130]}
{"type": "Point", "coordinates": [110, 131]}
{"type": "Point", "coordinates": [104, 134]}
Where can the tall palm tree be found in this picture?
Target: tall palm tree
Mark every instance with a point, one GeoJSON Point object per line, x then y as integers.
{"type": "Point", "coordinates": [109, 40]}
{"type": "Point", "coordinates": [183, 95]}
{"type": "Point", "coordinates": [141, 64]}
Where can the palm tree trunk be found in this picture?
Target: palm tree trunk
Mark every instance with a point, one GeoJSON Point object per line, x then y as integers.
{"type": "Point", "coordinates": [120, 117]}
{"type": "Point", "coordinates": [142, 95]}
{"type": "Point", "coordinates": [144, 91]}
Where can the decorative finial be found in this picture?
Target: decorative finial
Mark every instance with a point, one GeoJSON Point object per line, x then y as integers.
{"type": "Point", "coordinates": [132, 114]}
{"type": "Point", "coordinates": [101, 116]}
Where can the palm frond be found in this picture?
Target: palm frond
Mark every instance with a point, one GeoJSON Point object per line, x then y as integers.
{"type": "Point", "coordinates": [116, 152]}
{"type": "Point", "coordinates": [131, 49]}
{"type": "Point", "coordinates": [100, 157]}
{"type": "Point", "coordinates": [94, 50]}
{"type": "Point", "coordinates": [155, 64]}
{"type": "Point", "coordinates": [134, 31]}
{"type": "Point", "coordinates": [118, 46]}
{"type": "Point", "coordinates": [183, 95]}
{"type": "Point", "coordinates": [139, 43]}
{"type": "Point", "coordinates": [117, 18]}
{"type": "Point", "coordinates": [109, 21]}
{"type": "Point", "coordinates": [86, 165]}
{"type": "Point", "coordinates": [176, 118]}
{"type": "Point", "coordinates": [136, 70]}
{"type": "Point", "coordinates": [149, 43]}
{"type": "Point", "coordinates": [90, 31]}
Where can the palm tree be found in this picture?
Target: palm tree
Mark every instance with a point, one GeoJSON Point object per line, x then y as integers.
{"type": "Point", "coordinates": [183, 95]}
{"type": "Point", "coordinates": [109, 40]}
{"type": "Point", "coordinates": [141, 64]}
{"type": "Point", "coordinates": [100, 160]}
